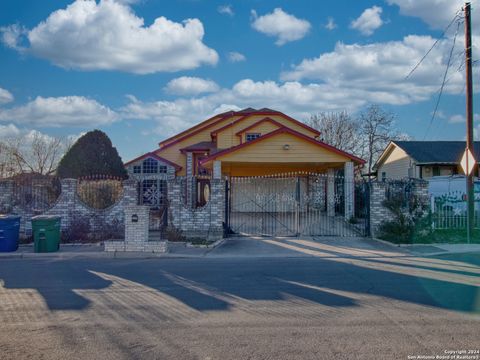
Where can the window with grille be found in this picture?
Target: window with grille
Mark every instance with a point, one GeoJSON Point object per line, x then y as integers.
{"type": "Point", "coordinates": [154, 192]}
{"type": "Point", "coordinates": [150, 166]}
{"type": "Point", "coordinates": [137, 169]}
{"type": "Point", "coordinates": [252, 136]}
{"type": "Point", "coordinates": [162, 169]}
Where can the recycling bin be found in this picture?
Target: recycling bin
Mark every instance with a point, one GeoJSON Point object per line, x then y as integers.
{"type": "Point", "coordinates": [46, 233]}
{"type": "Point", "coordinates": [9, 229]}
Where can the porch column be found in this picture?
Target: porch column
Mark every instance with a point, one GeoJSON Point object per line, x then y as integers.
{"type": "Point", "coordinates": [190, 181]}
{"type": "Point", "coordinates": [349, 190]}
{"type": "Point", "coordinates": [217, 169]}
{"type": "Point", "coordinates": [331, 192]}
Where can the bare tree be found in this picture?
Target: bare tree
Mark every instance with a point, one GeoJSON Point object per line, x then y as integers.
{"type": "Point", "coordinates": [7, 163]}
{"type": "Point", "coordinates": [34, 152]}
{"type": "Point", "coordinates": [365, 135]}
{"type": "Point", "coordinates": [338, 129]}
{"type": "Point", "coordinates": [377, 130]}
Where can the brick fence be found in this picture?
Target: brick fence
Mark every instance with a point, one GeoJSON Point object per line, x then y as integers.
{"type": "Point", "coordinates": [378, 194]}
{"type": "Point", "coordinates": [205, 222]}
{"type": "Point", "coordinates": [70, 207]}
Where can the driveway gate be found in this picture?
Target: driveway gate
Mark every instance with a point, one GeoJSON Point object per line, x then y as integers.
{"type": "Point", "coordinates": [292, 205]}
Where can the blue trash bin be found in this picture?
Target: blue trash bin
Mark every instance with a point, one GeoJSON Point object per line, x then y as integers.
{"type": "Point", "coordinates": [9, 228]}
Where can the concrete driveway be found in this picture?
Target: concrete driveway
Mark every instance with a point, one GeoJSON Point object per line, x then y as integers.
{"type": "Point", "coordinates": [303, 247]}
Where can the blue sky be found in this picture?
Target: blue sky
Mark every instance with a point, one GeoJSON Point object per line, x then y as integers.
{"type": "Point", "coordinates": [141, 70]}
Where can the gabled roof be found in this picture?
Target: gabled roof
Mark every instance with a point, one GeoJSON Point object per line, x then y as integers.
{"type": "Point", "coordinates": [198, 127]}
{"type": "Point", "coordinates": [155, 156]}
{"type": "Point", "coordinates": [283, 130]}
{"type": "Point", "coordinates": [432, 152]}
{"type": "Point", "coordinates": [267, 119]}
{"type": "Point", "coordinates": [267, 112]}
{"type": "Point", "coordinates": [220, 117]}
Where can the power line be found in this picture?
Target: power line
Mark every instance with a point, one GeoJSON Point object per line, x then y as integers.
{"type": "Point", "coordinates": [434, 44]}
{"type": "Point", "coordinates": [443, 81]}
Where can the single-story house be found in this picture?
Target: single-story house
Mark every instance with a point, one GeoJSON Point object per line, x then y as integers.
{"type": "Point", "coordinates": [422, 159]}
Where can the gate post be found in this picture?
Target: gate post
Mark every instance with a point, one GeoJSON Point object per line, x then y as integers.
{"type": "Point", "coordinates": [331, 192]}
{"type": "Point", "coordinates": [297, 206]}
{"type": "Point", "coordinates": [227, 208]}
{"type": "Point", "coordinates": [349, 190]}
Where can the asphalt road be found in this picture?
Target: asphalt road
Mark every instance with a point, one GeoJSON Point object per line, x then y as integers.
{"type": "Point", "coordinates": [338, 307]}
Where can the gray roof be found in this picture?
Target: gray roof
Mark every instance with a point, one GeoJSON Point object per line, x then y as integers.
{"type": "Point", "coordinates": [437, 152]}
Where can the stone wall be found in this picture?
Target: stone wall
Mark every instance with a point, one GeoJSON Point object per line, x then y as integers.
{"type": "Point", "coordinates": [70, 207]}
{"type": "Point", "coordinates": [378, 194]}
{"type": "Point", "coordinates": [205, 222]}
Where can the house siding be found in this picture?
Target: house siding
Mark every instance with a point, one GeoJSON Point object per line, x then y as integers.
{"type": "Point", "coordinates": [396, 165]}
{"type": "Point", "coordinates": [228, 138]}
{"type": "Point", "coordinates": [225, 139]}
{"type": "Point", "coordinates": [271, 151]}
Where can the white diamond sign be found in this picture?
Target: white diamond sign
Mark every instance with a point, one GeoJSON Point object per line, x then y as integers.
{"type": "Point", "coordinates": [467, 162]}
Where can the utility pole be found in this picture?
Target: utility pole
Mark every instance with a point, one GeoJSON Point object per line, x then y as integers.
{"type": "Point", "coordinates": [469, 118]}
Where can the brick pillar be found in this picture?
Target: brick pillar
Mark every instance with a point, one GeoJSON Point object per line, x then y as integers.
{"type": "Point", "coordinates": [67, 202]}
{"type": "Point", "coordinates": [378, 212]}
{"type": "Point", "coordinates": [190, 195]}
{"type": "Point", "coordinates": [136, 227]}
{"type": "Point", "coordinates": [130, 192]}
{"type": "Point", "coordinates": [331, 192]}
{"type": "Point", "coordinates": [217, 169]}
{"type": "Point", "coordinates": [349, 190]}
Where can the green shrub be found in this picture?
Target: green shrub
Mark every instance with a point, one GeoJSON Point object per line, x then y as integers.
{"type": "Point", "coordinates": [410, 220]}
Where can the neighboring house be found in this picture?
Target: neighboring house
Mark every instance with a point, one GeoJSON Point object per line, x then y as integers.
{"type": "Point", "coordinates": [422, 159]}
{"type": "Point", "coordinates": [241, 143]}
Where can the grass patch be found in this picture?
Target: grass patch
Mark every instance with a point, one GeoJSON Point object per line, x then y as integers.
{"type": "Point", "coordinates": [449, 236]}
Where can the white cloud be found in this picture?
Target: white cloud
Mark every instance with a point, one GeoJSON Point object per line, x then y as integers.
{"type": "Point", "coordinates": [11, 36]}
{"type": "Point", "coordinates": [8, 131]}
{"type": "Point", "coordinates": [283, 26]}
{"type": "Point", "coordinates": [455, 119]}
{"type": "Point", "coordinates": [369, 21]}
{"type": "Point", "coordinates": [60, 111]}
{"type": "Point", "coordinates": [296, 99]}
{"type": "Point", "coordinates": [382, 67]}
{"type": "Point", "coordinates": [186, 85]}
{"type": "Point", "coordinates": [226, 10]}
{"type": "Point", "coordinates": [235, 56]}
{"type": "Point", "coordinates": [109, 36]}
{"type": "Point", "coordinates": [436, 13]}
{"type": "Point", "coordinates": [5, 96]}
{"type": "Point", "coordinates": [330, 25]}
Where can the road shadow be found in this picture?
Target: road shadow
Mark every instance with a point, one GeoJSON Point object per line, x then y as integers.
{"type": "Point", "coordinates": [330, 279]}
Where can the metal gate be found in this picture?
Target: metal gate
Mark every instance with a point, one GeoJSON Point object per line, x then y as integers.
{"type": "Point", "coordinates": [292, 205]}
{"type": "Point", "coordinates": [153, 192]}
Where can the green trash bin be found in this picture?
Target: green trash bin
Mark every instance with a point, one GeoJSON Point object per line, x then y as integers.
{"type": "Point", "coordinates": [46, 233]}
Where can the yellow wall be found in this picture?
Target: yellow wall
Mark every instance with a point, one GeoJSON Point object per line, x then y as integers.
{"type": "Point", "coordinates": [172, 153]}
{"type": "Point", "coordinates": [396, 165]}
{"type": "Point", "coordinates": [191, 130]}
{"type": "Point", "coordinates": [271, 150]}
{"type": "Point", "coordinates": [262, 129]}
{"type": "Point", "coordinates": [228, 138]}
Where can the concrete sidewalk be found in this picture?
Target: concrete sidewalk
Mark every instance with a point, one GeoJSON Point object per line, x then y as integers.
{"type": "Point", "coordinates": [259, 247]}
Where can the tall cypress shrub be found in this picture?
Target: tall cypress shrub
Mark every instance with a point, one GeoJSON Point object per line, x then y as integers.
{"type": "Point", "coordinates": [92, 154]}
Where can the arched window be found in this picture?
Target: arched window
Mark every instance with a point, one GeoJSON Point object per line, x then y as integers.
{"type": "Point", "coordinates": [150, 166]}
